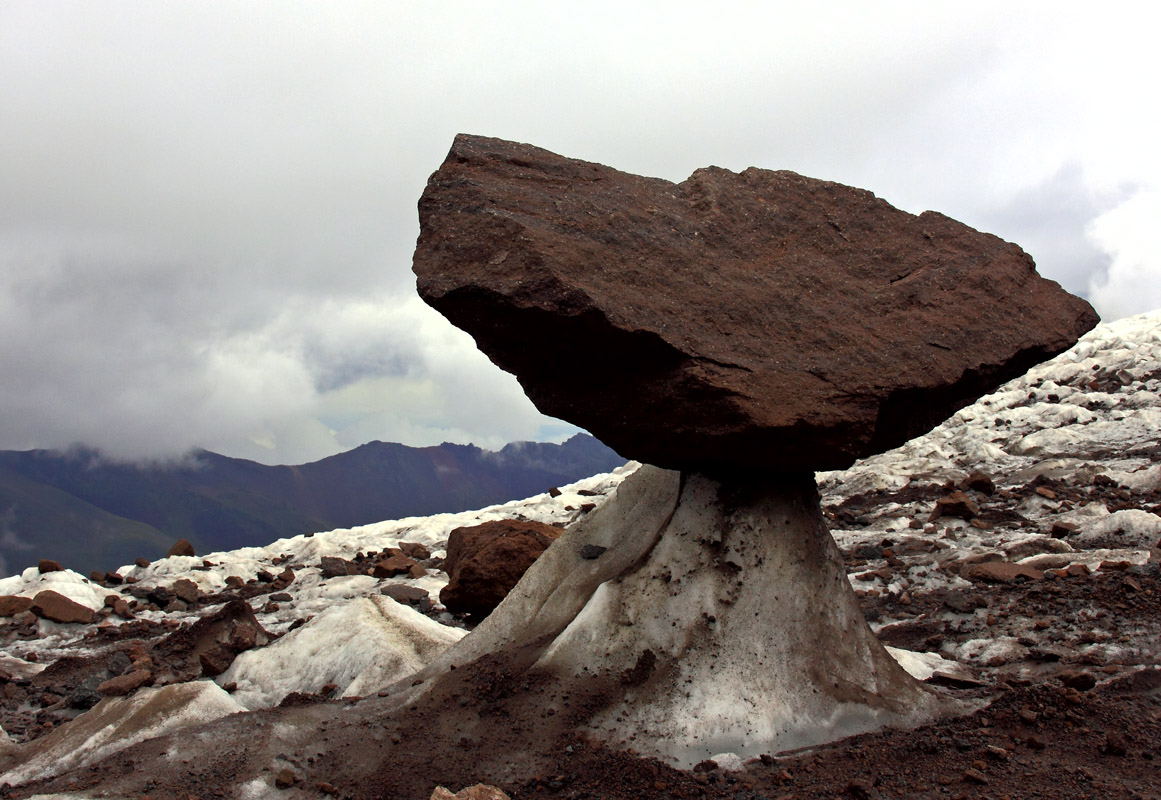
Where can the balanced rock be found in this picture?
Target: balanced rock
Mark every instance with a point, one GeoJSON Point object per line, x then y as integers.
{"type": "Point", "coordinates": [485, 561]}
{"type": "Point", "coordinates": [751, 320]}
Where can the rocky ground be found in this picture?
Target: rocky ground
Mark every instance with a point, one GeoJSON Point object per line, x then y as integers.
{"type": "Point", "coordinates": [1013, 552]}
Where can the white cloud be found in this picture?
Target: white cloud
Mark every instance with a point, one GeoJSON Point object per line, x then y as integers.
{"type": "Point", "coordinates": [208, 210]}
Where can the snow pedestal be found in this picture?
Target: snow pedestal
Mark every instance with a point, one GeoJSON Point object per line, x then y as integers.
{"type": "Point", "coordinates": [717, 620]}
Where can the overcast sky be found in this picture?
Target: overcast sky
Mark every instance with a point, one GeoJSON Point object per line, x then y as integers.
{"type": "Point", "coordinates": [207, 209]}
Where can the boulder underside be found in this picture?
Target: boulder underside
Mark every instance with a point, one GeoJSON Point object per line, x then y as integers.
{"type": "Point", "coordinates": [719, 620]}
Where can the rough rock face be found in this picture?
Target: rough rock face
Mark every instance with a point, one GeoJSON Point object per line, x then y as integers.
{"type": "Point", "coordinates": [752, 320]}
{"type": "Point", "coordinates": [485, 561]}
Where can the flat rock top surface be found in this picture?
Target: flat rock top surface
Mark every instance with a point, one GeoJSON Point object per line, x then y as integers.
{"type": "Point", "coordinates": [745, 320]}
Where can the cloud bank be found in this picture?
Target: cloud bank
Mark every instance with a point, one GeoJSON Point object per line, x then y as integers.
{"type": "Point", "coordinates": [208, 210]}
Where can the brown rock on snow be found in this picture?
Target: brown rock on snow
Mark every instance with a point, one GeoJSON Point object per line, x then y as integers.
{"type": "Point", "coordinates": [1000, 572]}
{"type": "Point", "coordinates": [47, 565]}
{"type": "Point", "coordinates": [58, 608]}
{"type": "Point", "coordinates": [758, 319]}
{"type": "Point", "coordinates": [181, 547]}
{"type": "Point", "coordinates": [11, 605]}
{"type": "Point", "coordinates": [485, 561]}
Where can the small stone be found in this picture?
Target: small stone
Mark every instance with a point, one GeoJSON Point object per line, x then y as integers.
{"type": "Point", "coordinates": [96, 576]}
{"type": "Point", "coordinates": [11, 605]}
{"type": "Point", "coordinates": [1077, 570]}
{"type": "Point", "coordinates": [414, 550]}
{"type": "Point", "coordinates": [1078, 679]}
{"type": "Point", "coordinates": [286, 577]}
{"type": "Point", "coordinates": [1000, 572]}
{"type": "Point", "coordinates": [394, 565]}
{"type": "Point", "coordinates": [265, 576]}
{"type": "Point", "coordinates": [589, 552]}
{"type": "Point", "coordinates": [334, 567]}
{"type": "Point", "coordinates": [1062, 530]}
{"type": "Point", "coordinates": [956, 504]}
{"type": "Point", "coordinates": [141, 562]}
{"type": "Point", "coordinates": [124, 684]}
{"type": "Point", "coordinates": [47, 565]}
{"type": "Point", "coordinates": [285, 779]}
{"type": "Point", "coordinates": [216, 660]}
{"type": "Point", "coordinates": [554, 492]}
{"type": "Point", "coordinates": [326, 788]}
{"type": "Point", "coordinates": [281, 597]}
{"type": "Point", "coordinates": [58, 608]}
{"type": "Point", "coordinates": [114, 578]}
{"type": "Point", "coordinates": [975, 776]}
{"type": "Point", "coordinates": [235, 582]}
{"type": "Point", "coordinates": [181, 547]}
{"type": "Point", "coordinates": [1045, 492]}
{"type": "Point", "coordinates": [963, 602]}
{"type": "Point", "coordinates": [980, 482]}
{"type": "Point", "coordinates": [186, 590]}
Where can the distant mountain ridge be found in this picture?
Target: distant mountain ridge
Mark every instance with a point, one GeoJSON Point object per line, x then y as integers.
{"type": "Point", "coordinates": [89, 513]}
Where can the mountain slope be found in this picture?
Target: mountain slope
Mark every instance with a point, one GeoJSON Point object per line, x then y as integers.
{"type": "Point", "coordinates": [90, 513]}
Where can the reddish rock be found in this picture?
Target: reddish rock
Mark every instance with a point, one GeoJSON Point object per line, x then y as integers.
{"type": "Point", "coordinates": [334, 567]}
{"type": "Point", "coordinates": [181, 547]}
{"type": "Point", "coordinates": [1000, 572]}
{"type": "Point", "coordinates": [956, 504]}
{"type": "Point", "coordinates": [758, 319]}
{"type": "Point", "coordinates": [11, 605]}
{"type": "Point", "coordinates": [979, 482]}
{"type": "Point", "coordinates": [285, 779]}
{"type": "Point", "coordinates": [485, 561]}
{"type": "Point", "coordinates": [47, 565]}
{"type": "Point", "coordinates": [58, 608]}
{"type": "Point", "coordinates": [216, 660]}
{"type": "Point", "coordinates": [394, 565]}
{"type": "Point", "coordinates": [414, 550]}
{"type": "Point", "coordinates": [186, 590]}
{"type": "Point", "coordinates": [141, 562]}
{"type": "Point", "coordinates": [124, 684]}
{"type": "Point", "coordinates": [408, 595]}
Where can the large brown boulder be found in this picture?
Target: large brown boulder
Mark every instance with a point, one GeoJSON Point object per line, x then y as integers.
{"type": "Point", "coordinates": [485, 561]}
{"type": "Point", "coordinates": [744, 320]}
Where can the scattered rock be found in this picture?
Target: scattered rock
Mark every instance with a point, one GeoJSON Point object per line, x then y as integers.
{"type": "Point", "coordinates": [415, 550]}
{"type": "Point", "coordinates": [124, 684]}
{"type": "Point", "coordinates": [186, 590]}
{"type": "Point", "coordinates": [181, 547]}
{"type": "Point", "coordinates": [285, 779]}
{"type": "Point", "coordinates": [58, 608]}
{"type": "Point", "coordinates": [956, 504]}
{"type": "Point", "coordinates": [334, 567]}
{"type": "Point", "coordinates": [141, 562]}
{"type": "Point", "coordinates": [485, 561]}
{"type": "Point", "coordinates": [980, 482]}
{"type": "Point", "coordinates": [963, 602]}
{"type": "Point", "coordinates": [1000, 572]}
{"type": "Point", "coordinates": [590, 552]}
{"type": "Point", "coordinates": [1078, 679]}
{"type": "Point", "coordinates": [47, 565]}
{"type": "Point", "coordinates": [11, 605]}
{"type": "Point", "coordinates": [408, 595]}
{"type": "Point", "coordinates": [394, 565]}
